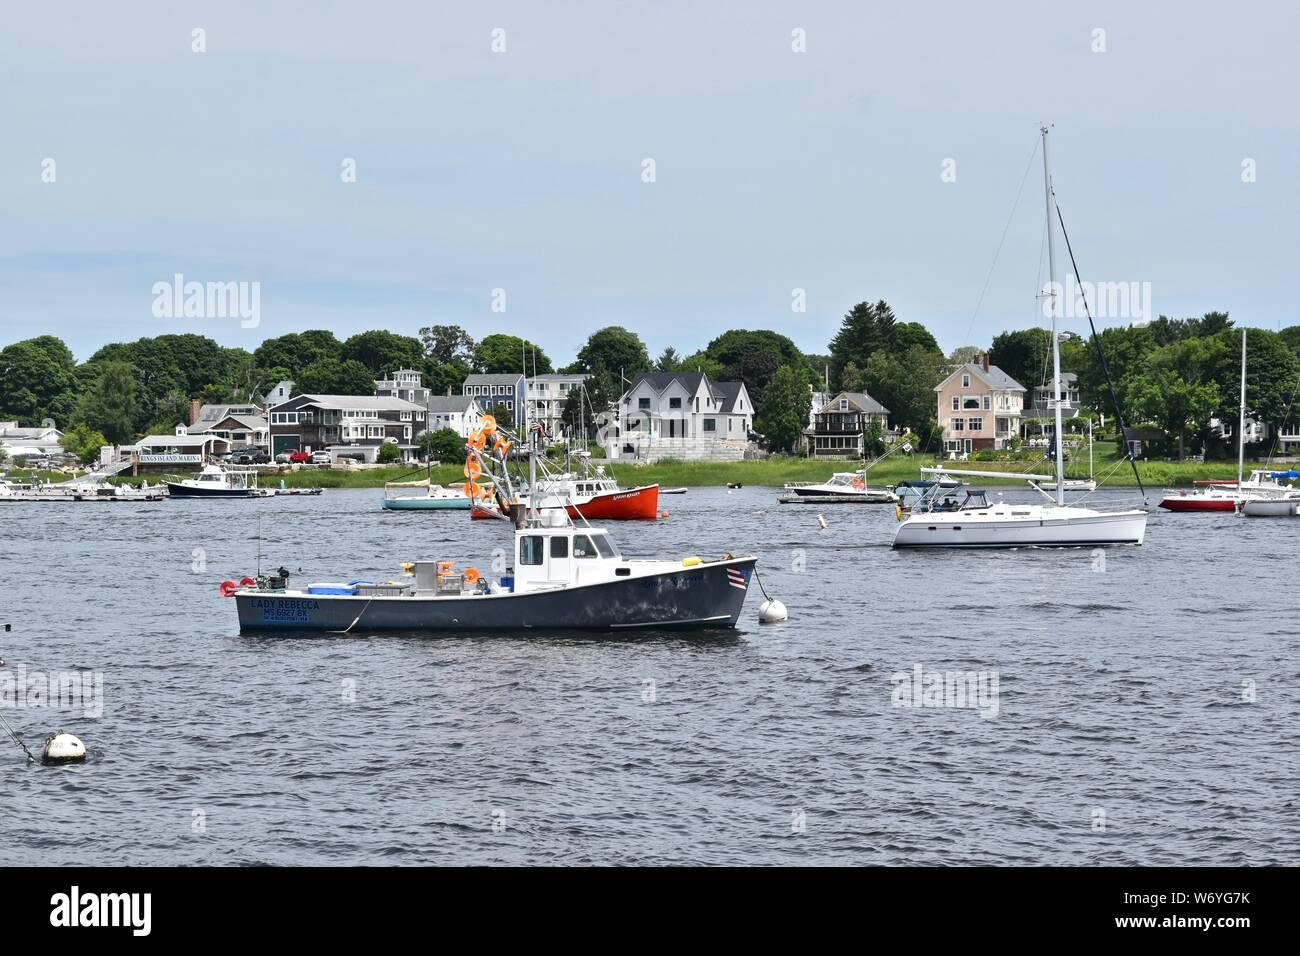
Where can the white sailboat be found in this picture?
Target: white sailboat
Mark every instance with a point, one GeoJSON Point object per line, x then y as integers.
{"type": "Point", "coordinates": [1004, 525]}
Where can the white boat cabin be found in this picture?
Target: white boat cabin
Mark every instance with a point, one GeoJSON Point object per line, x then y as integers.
{"type": "Point", "coordinates": [549, 557]}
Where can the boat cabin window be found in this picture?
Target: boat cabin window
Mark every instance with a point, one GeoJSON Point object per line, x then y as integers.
{"type": "Point", "coordinates": [582, 547]}
{"type": "Point", "coordinates": [531, 550]}
{"type": "Point", "coordinates": [604, 545]}
{"type": "Point", "coordinates": [559, 547]}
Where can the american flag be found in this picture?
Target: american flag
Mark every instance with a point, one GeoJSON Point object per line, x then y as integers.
{"type": "Point", "coordinates": [736, 578]}
{"type": "Point", "coordinates": [538, 429]}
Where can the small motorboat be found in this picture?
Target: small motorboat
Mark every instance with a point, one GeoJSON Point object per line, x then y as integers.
{"type": "Point", "coordinates": [218, 482]}
{"type": "Point", "coordinates": [842, 486]}
{"type": "Point", "coordinates": [1283, 506]}
{"type": "Point", "coordinates": [672, 491]}
{"type": "Point", "coordinates": [91, 487]}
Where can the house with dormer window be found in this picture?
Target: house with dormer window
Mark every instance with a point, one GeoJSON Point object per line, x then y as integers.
{"type": "Point", "coordinates": [681, 415]}
{"type": "Point", "coordinates": [979, 406]}
{"type": "Point", "coordinates": [840, 424]}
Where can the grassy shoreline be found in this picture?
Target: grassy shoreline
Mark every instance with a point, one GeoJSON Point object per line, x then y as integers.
{"type": "Point", "coordinates": [768, 472]}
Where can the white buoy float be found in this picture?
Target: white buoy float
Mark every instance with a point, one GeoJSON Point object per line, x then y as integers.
{"type": "Point", "coordinates": [821, 521]}
{"type": "Point", "coordinates": [772, 612]}
{"type": "Point", "coordinates": [63, 747]}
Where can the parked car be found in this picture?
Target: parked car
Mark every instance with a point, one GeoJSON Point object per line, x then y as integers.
{"type": "Point", "coordinates": [283, 458]}
{"type": "Point", "coordinates": [321, 458]}
{"type": "Point", "coordinates": [295, 457]}
{"type": "Point", "coordinates": [250, 458]}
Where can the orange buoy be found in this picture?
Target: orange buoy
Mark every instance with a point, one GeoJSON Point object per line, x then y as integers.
{"type": "Point", "coordinates": [246, 582]}
{"type": "Point", "coordinates": [472, 575]}
{"type": "Point", "coordinates": [488, 424]}
{"type": "Point", "coordinates": [227, 588]}
{"type": "Point", "coordinates": [663, 514]}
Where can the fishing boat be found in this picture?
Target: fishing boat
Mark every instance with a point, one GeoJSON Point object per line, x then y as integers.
{"type": "Point", "coordinates": [218, 482]}
{"type": "Point", "coordinates": [1004, 525]}
{"type": "Point", "coordinates": [566, 576]}
{"type": "Point", "coordinates": [434, 497]}
{"type": "Point", "coordinates": [594, 496]}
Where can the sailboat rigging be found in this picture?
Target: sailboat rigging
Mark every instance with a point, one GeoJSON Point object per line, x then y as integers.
{"type": "Point", "coordinates": [980, 525]}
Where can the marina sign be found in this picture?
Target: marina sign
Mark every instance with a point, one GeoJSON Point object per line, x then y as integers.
{"type": "Point", "coordinates": [173, 459]}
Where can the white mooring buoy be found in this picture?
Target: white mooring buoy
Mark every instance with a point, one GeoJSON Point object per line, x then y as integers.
{"type": "Point", "coordinates": [63, 747]}
{"type": "Point", "coordinates": [772, 612]}
{"type": "Point", "coordinates": [821, 521]}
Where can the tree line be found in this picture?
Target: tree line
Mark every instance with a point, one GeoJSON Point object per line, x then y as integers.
{"type": "Point", "coordinates": [1175, 374]}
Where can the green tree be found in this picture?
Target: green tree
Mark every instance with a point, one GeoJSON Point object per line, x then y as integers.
{"type": "Point", "coordinates": [873, 440]}
{"type": "Point", "coordinates": [667, 361]}
{"type": "Point", "coordinates": [447, 343]}
{"type": "Point", "coordinates": [499, 354]}
{"type": "Point", "coordinates": [444, 445]}
{"type": "Point", "coordinates": [865, 329]}
{"type": "Point", "coordinates": [36, 377]}
{"type": "Point", "coordinates": [388, 452]}
{"type": "Point", "coordinates": [110, 406]}
{"type": "Point", "coordinates": [615, 350]}
{"type": "Point", "coordinates": [383, 352]}
{"type": "Point", "coordinates": [335, 377]}
{"type": "Point", "coordinates": [1025, 355]}
{"type": "Point", "coordinates": [294, 352]}
{"type": "Point", "coordinates": [698, 362]}
{"type": "Point", "coordinates": [83, 442]}
{"type": "Point", "coordinates": [753, 357]}
{"type": "Point", "coordinates": [787, 401]}
{"type": "Point", "coordinates": [501, 414]}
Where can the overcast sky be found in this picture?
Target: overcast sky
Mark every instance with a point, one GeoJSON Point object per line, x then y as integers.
{"type": "Point", "coordinates": [522, 170]}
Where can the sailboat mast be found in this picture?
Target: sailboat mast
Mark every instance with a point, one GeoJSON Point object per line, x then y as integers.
{"type": "Point", "coordinates": [1054, 305]}
{"type": "Point", "coordinates": [1241, 424]}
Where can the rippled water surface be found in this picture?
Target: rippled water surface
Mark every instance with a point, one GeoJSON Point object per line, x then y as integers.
{"type": "Point", "coordinates": [1121, 691]}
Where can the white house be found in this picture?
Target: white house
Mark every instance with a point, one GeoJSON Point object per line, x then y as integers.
{"type": "Point", "coordinates": [681, 415]}
{"type": "Point", "coordinates": [547, 395]}
{"type": "Point", "coordinates": [460, 413]}
{"type": "Point", "coordinates": [24, 442]}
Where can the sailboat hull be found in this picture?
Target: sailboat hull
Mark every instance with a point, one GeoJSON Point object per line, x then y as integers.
{"type": "Point", "coordinates": [1271, 507]}
{"type": "Point", "coordinates": [1045, 528]}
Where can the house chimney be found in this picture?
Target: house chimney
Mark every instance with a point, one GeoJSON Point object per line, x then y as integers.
{"type": "Point", "coordinates": [986, 361]}
{"type": "Point", "coordinates": [194, 410]}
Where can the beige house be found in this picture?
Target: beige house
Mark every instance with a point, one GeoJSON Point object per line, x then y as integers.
{"type": "Point", "coordinates": [979, 407]}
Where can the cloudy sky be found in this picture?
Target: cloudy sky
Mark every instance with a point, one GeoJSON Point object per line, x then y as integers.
{"type": "Point", "coordinates": [522, 170]}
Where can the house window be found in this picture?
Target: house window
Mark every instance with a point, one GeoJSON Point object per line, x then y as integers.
{"type": "Point", "coordinates": [406, 416]}
{"type": "Point", "coordinates": [956, 403]}
{"type": "Point", "coordinates": [975, 424]}
{"type": "Point", "coordinates": [710, 424]}
{"type": "Point", "coordinates": [844, 404]}
{"type": "Point", "coordinates": [643, 403]}
{"type": "Point", "coordinates": [957, 424]}
{"type": "Point", "coordinates": [674, 403]}
{"type": "Point", "coordinates": [965, 381]}
{"type": "Point", "coordinates": [971, 402]}
{"type": "Point", "coordinates": [987, 401]}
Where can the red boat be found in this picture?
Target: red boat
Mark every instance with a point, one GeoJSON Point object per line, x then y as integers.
{"type": "Point", "coordinates": [592, 498]}
{"type": "Point", "coordinates": [1204, 500]}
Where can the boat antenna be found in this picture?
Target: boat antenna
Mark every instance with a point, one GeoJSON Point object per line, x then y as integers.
{"type": "Point", "coordinates": [259, 546]}
{"type": "Point", "coordinates": [1054, 304]}
{"type": "Point", "coordinates": [1101, 355]}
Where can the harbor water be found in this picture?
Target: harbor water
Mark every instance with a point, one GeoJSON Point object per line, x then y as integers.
{"type": "Point", "coordinates": [1131, 706]}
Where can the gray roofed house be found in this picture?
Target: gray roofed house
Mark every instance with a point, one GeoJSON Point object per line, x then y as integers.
{"type": "Point", "coordinates": [682, 415]}
{"type": "Point", "coordinates": [840, 425]}
{"type": "Point", "coordinates": [353, 425]}
{"type": "Point", "coordinates": [979, 406]}
{"type": "Point", "coordinates": [491, 389]}
{"type": "Point", "coordinates": [461, 413]}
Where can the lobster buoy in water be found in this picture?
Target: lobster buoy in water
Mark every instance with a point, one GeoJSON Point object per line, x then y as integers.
{"type": "Point", "coordinates": [663, 514]}
{"type": "Point", "coordinates": [63, 747]}
{"type": "Point", "coordinates": [227, 588]}
{"type": "Point", "coordinates": [772, 612]}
